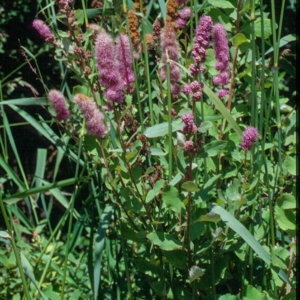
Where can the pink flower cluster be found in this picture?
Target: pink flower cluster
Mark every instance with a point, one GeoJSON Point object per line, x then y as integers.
{"type": "Point", "coordinates": [108, 67]}
{"type": "Point", "coordinates": [184, 16]}
{"type": "Point", "coordinates": [189, 126]}
{"type": "Point", "coordinates": [170, 48]}
{"type": "Point", "coordinates": [94, 117]}
{"type": "Point", "coordinates": [43, 30]}
{"type": "Point", "coordinates": [249, 137]}
{"type": "Point", "coordinates": [114, 64]}
{"type": "Point", "coordinates": [125, 61]}
{"type": "Point", "coordinates": [59, 104]}
{"type": "Point", "coordinates": [201, 44]}
{"type": "Point", "coordinates": [195, 88]}
{"type": "Point", "coordinates": [221, 48]}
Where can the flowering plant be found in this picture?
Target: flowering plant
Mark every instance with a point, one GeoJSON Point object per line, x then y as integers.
{"type": "Point", "coordinates": [168, 194]}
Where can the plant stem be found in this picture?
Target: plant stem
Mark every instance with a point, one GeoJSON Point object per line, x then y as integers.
{"type": "Point", "coordinates": [169, 119]}
{"type": "Point", "coordinates": [14, 246]}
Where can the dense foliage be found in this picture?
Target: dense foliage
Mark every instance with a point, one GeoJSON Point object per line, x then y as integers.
{"type": "Point", "coordinates": [166, 159]}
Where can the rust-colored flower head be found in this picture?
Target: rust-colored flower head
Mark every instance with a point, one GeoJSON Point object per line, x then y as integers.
{"type": "Point", "coordinates": [133, 24]}
{"type": "Point", "coordinates": [172, 13]}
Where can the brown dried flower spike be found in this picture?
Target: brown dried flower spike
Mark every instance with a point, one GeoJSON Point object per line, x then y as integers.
{"type": "Point", "coordinates": [172, 7]}
{"type": "Point", "coordinates": [133, 28]}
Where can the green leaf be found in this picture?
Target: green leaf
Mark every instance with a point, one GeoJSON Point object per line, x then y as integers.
{"type": "Point", "coordinates": [171, 199]}
{"type": "Point", "coordinates": [28, 270]}
{"type": "Point", "coordinates": [253, 293]}
{"type": "Point", "coordinates": [156, 151]}
{"type": "Point", "coordinates": [286, 219]}
{"type": "Point", "coordinates": [239, 39]}
{"type": "Point", "coordinates": [290, 165]}
{"type": "Point", "coordinates": [155, 191]}
{"type": "Point", "coordinates": [205, 126]}
{"type": "Point", "coordinates": [190, 186]}
{"type": "Point", "coordinates": [267, 27]}
{"type": "Point", "coordinates": [162, 5]}
{"type": "Point", "coordinates": [210, 217]}
{"type": "Point", "coordinates": [228, 297]}
{"type": "Point", "coordinates": [162, 129]}
{"type": "Point", "coordinates": [177, 258]}
{"type": "Point", "coordinates": [100, 244]}
{"type": "Point", "coordinates": [164, 241]}
{"type": "Point", "coordinates": [240, 229]}
{"type": "Point", "coordinates": [286, 201]}
{"type": "Point", "coordinates": [222, 109]}
{"type": "Point", "coordinates": [26, 101]}
{"type": "Point", "coordinates": [283, 41]}
{"type": "Point", "coordinates": [221, 4]}
{"type": "Point", "coordinates": [212, 149]}
{"type": "Point", "coordinates": [44, 188]}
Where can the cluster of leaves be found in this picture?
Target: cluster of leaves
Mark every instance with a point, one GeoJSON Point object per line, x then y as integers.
{"type": "Point", "coordinates": [141, 218]}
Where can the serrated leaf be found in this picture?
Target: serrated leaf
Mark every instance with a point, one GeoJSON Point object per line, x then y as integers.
{"type": "Point", "coordinates": [164, 241]}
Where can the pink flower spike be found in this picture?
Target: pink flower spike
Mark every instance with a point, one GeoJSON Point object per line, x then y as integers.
{"type": "Point", "coordinates": [123, 55]}
{"type": "Point", "coordinates": [43, 30]}
{"type": "Point", "coordinates": [59, 104]}
{"type": "Point", "coordinates": [221, 54]}
{"type": "Point", "coordinates": [170, 47]}
{"type": "Point", "coordinates": [249, 137]}
{"type": "Point", "coordinates": [94, 117]}
{"type": "Point", "coordinates": [107, 65]}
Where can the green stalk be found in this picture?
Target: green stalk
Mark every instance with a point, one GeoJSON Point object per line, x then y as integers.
{"type": "Point", "coordinates": [254, 117]}
{"type": "Point", "coordinates": [136, 76]}
{"type": "Point", "coordinates": [72, 201]}
{"type": "Point", "coordinates": [15, 151]}
{"type": "Point", "coordinates": [169, 118]}
{"type": "Point", "coordinates": [262, 76]}
{"type": "Point", "coordinates": [148, 79]}
{"type": "Point", "coordinates": [212, 274]}
{"type": "Point", "coordinates": [14, 246]}
{"type": "Point", "coordinates": [275, 82]}
{"type": "Point", "coordinates": [125, 259]}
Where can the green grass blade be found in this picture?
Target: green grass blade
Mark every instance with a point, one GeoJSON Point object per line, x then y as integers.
{"type": "Point", "coordinates": [100, 245]}
{"type": "Point", "coordinates": [26, 101]}
{"type": "Point", "coordinates": [40, 189]}
{"type": "Point", "coordinates": [222, 109]}
{"type": "Point", "coordinates": [240, 229]}
{"type": "Point", "coordinates": [11, 173]}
